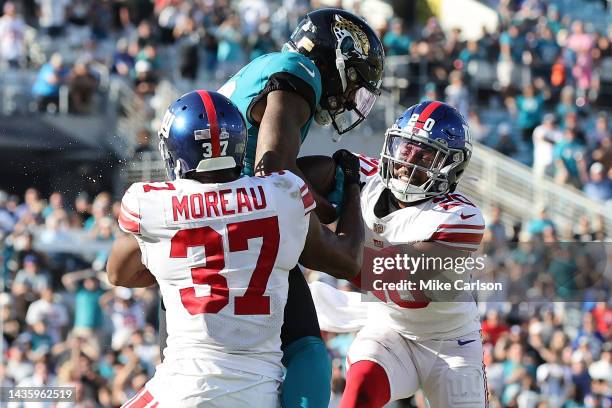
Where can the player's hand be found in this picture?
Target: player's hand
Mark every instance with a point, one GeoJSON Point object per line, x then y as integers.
{"type": "Point", "coordinates": [349, 164]}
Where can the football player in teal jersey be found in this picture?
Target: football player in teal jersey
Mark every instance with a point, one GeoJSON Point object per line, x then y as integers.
{"type": "Point", "coordinates": [329, 71]}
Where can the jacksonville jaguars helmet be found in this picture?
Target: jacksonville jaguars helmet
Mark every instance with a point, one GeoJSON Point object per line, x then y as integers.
{"type": "Point", "coordinates": [425, 152]}
{"type": "Point", "coordinates": [350, 58]}
{"type": "Point", "coordinates": [202, 131]}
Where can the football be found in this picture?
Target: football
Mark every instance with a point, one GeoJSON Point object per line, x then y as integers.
{"type": "Point", "coordinates": [320, 172]}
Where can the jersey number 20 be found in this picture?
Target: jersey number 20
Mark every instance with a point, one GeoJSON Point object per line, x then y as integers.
{"type": "Point", "coordinates": [253, 301]}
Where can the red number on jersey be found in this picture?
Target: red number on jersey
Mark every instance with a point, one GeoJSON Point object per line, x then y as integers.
{"type": "Point", "coordinates": [151, 187]}
{"type": "Point", "coordinates": [238, 234]}
{"type": "Point", "coordinates": [253, 302]}
{"type": "Point", "coordinates": [212, 242]}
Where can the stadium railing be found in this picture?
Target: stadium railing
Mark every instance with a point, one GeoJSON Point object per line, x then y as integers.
{"type": "Point", "coordinates": [493, 179]}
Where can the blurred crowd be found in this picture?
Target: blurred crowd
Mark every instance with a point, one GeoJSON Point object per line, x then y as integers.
{"type": "Point", "coordinates": [65, 325]}
{"type": "Point", "coordinates": [536, 89]}
{"type": "Point", "coordinates": [541, 104]}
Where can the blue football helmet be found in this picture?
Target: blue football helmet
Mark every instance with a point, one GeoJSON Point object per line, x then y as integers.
{"type": "Point", "coordinates": [425, 152]}
{"type": "Point", "coordinates": [202, 131]}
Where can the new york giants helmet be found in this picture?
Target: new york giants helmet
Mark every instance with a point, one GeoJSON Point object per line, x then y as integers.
{"type": "Point", "coordinates": [425, 152]}
{"type": "Point", "coordinates": [202, 131]}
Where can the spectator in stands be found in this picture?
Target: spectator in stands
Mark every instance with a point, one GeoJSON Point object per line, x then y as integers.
{"type": "Point", "coordinates": [56, 202]}
{"type": "Point", "coordinates": [497, 228]}
{"type": "Point", "coordinates": [82, 84]}
{"type": "Point", "coordinates": [539, 224]}
{"type": "Point", "coordinates": [126, 314]}
{"type": "Point", "coordinates": [599, 185]}
{"type": "Point", "coordinates": [29, 282]}
{"type": "Point", "coordinates": [457, 93]}
{"type": "Point", "coordinates": [124, 57]}
{"type": "Point", "coordinates": [583, 231]}
{"type": "Point", "coordinates": [572, 122]}
{"type": "Point", "coordinates": [7, 217]}
{"type": "Point", "coordinates": [589, 334]}
{"type": "Point", "coordinates": [18, 365]}
{"type": "Point", "coordinates": [603, 153]}
{"type": "Point", "coordinates": [146, 80]}
{"type": "Point", "coordinates": [31, 203]}
{"type": "Point", "coordinates": [262, 42]}
{"type": "Point", "coordinates": [505, 143]}
{"type": "Point", "coordinates": [601, 131]}
{"type": "Point", "coordinates": [87, 311]}
{"type": "Point", "coordinates": [229, 54]}
{"type": "Point", "coordinates": [582, 44]}
{"type": "Point", "coordinates": [431, 93]}
{"type": "Point", "coordinates": [188, 41]}
{"type": "Point", "coordinates": [530, 109]}
{"type": "Point", "coordinates": [511, 46]}
{"type": "Point", "coordinates": [396, 40]}
{"type": "Point", "coordinates": [545, 136]}
{"type": "Point", "coordinates": [48, 310]}
{"type": "Point", "coordinates": [52, 16]}
{"type": "Point", "coordinates": [12, 36]}
{"type": "Point", "coordinates": [478, 129]}
{"type": "Point", "coordinates": [81, 210]}
{"type": "Point", "coordinates": [42, 377]}
{"type": "Point", "coordinates": [566, 105]}
{"type": "Point", "coordinates": [50, 78]}
{"type": "Point", "coordinates": [471, 52]}
{"type": "Point", "coordinates": [492, 327]}
{"type": "Point", "coordinates": [547, 50]}
{"type": "Point", "coordinates": [568, 156]}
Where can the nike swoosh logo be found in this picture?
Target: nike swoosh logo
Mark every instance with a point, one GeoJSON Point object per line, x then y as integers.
{"type": "Point", "coordinates": [310, 72]}
{"type": "Point", "coordinates": [465, 217]}
{"type": "Point", "coordinates": [463, 343]}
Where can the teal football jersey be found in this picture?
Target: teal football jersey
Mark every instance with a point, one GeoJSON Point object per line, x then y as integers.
{"type": "Point", "coordinates": [252, 79]}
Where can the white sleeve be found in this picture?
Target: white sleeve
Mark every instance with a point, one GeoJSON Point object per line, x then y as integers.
{"type": "Point", "coordinates": [298, 186]}
{"type": "Point", "coordinates": [129, 214]}
{"type": "Point", "coordinates": [130, 217]}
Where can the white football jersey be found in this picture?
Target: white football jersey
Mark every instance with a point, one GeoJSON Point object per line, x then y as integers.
{"type": "Point", "coordinates": [450, 220]}
{"type": "Point", "coordinates": [221, 254]}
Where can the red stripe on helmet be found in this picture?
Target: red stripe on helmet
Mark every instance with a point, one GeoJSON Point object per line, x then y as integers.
{"type": "Point", "coordinates": [426, 113]}
{"type": "Point", "coordinates": [211, 112]}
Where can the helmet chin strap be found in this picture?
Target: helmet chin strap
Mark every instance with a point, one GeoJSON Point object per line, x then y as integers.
{"type": "Point", "coordinates": [341, 68]}
{"type": "Point", "coordinates": [406, 192]}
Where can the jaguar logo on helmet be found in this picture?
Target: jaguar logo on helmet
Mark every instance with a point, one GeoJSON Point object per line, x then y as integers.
{"type": "Point", "coordinates": [344, 29]}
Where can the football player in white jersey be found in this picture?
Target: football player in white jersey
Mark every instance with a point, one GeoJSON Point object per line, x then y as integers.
{"type": "Point", "coordinates": [220, 246]}
{"type": "Point", "coordinates": [410, 340]}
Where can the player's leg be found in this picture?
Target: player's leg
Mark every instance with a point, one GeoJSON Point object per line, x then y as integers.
{"type": "Point", "coordinates": [456, 377]}
{"type": "Point", "coordinates": [308, 379]}
{"type": "Point", "coordinates": [380, 370]}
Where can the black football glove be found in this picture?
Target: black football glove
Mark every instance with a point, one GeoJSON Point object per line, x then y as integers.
{"type": "Point", "coordinates": [349, 163]}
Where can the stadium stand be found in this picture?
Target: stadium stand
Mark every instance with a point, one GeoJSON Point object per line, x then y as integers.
{"type": "Point", "coordinates": [537, 92]}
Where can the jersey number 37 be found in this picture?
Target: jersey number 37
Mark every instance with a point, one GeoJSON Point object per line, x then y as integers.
{"type": "Point", "coordinates": [253, 301]}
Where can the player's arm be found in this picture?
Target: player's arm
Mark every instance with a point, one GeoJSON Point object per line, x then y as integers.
{"type": "Point", "coordinates": [339, 254]}
{"type": "Point", "coordinates": [124, 267]}
{"type": "Point", "coordinates": [281, 116]}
